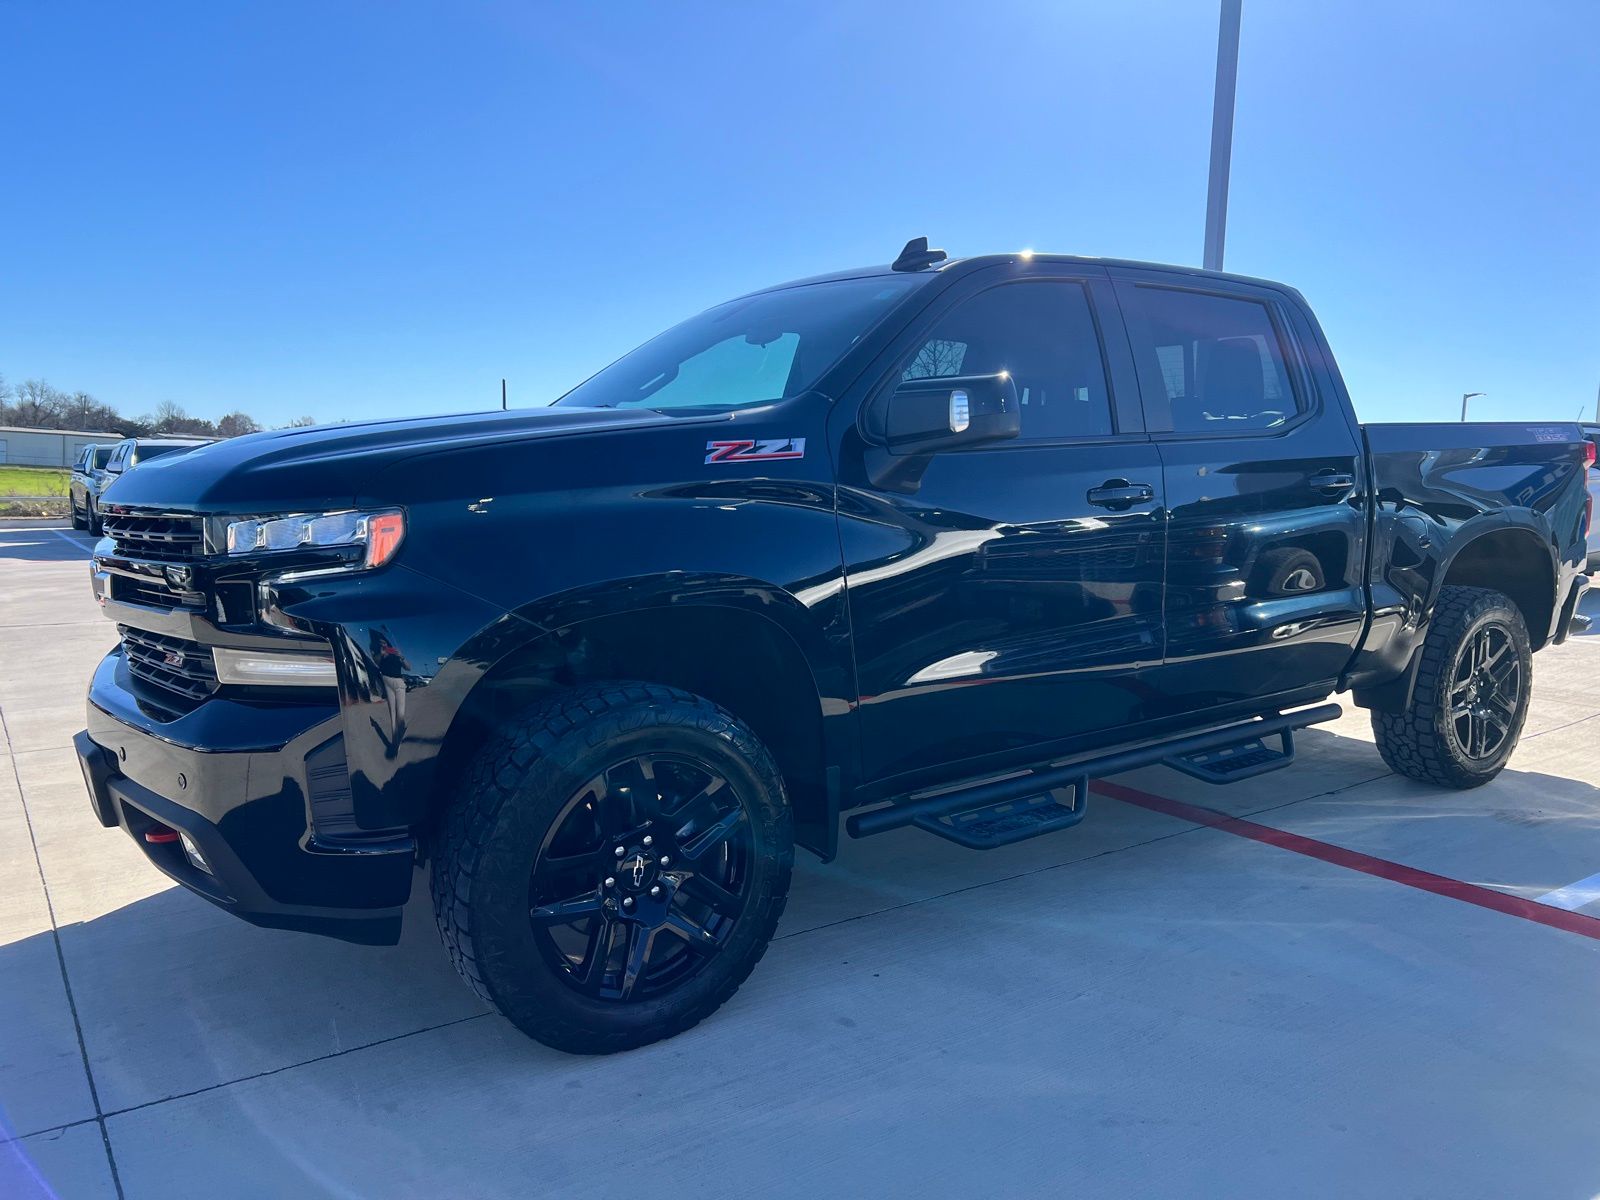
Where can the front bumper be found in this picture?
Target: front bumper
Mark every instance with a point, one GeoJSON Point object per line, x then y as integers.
{"type": "Point", "coordinates": [237, 779]}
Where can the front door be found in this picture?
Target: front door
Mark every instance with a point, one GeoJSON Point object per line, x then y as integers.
{"type": "Point", "coordinates": [1006, 598]}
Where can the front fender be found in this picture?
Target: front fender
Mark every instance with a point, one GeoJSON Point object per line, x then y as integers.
{"type": "Point", "coordinates": [410, 649]}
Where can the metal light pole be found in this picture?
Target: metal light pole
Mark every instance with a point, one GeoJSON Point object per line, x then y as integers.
{"type": "Point", "coordinates": [1465, 396]}
{"type": "Point", "coordinates": [1222, 133]}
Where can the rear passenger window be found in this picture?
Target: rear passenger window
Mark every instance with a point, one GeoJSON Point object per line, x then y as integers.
{"type": "Point", "coordinates": [1043, 333]}
{"type": "Point", "coordinates": [1220, 361]}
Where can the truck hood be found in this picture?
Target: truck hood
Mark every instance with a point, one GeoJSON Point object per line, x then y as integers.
{"type": "Point", "coordinates": [322, 467]}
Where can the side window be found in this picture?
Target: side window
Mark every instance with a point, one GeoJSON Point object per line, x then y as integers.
{"type": "Point", "coordinates": [1041, 331]}
{"type": "Point", "coordinates": [1220, 360]}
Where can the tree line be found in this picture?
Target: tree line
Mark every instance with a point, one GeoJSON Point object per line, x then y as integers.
{"type": "Point", "coordinates": [35, 404]}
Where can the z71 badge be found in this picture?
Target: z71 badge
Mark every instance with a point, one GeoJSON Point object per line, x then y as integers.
{"type": "Point", "coordinates": [755, 451]}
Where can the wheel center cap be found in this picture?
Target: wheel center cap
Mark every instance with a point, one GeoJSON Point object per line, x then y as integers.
{"type": "Point", "coordinates": [636, 871]}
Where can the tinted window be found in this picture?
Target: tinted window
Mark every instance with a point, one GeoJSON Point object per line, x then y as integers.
{"type": "Point", "coordinates": [150, 450]}
{"type": "Point", "coordinates": [1043, 333]}
{"type": "Point", "coordinates": [730, 373]}
{"type": "Point", "coordinates": [746, 352]}
{"type": "Point", "coordinates": [1220, 360]}
{"type": "Point", "coordinates": [102, 455]}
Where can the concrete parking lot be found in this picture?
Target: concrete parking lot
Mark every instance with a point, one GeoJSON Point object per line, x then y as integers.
{"type": "Point", "coordinates": [1366, 987]}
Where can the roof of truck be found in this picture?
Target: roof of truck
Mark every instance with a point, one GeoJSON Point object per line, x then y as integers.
{"type": "Point", "coordinates": [978, 262]}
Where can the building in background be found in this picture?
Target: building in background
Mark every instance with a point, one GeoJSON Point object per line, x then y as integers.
{"type": "Point", "coordinates": [21, 447]}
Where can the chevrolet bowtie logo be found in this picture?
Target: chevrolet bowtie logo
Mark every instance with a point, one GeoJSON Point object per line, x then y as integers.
{"type": "Point", "coordinates": [638, 866]}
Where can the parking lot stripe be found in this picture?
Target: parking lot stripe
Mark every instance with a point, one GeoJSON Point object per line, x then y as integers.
{"type": "Point", "coordinates": [1354, 860]}
{"type": "Point", "coordinates": [1574, 895]}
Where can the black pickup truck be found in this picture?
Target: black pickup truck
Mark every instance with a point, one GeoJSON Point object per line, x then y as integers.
{"type": "Point", "coordinates": [937, 542]}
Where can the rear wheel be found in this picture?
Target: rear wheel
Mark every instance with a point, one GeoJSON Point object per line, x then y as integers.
{"type": "Point", "coordinates": [94, 519]}
{"type": "Point", "coordinates": [1471, 696]}
{"type": "Point", "coordinates": [614, 866]}
{"type": "Point", "coordinates": [80, 520]}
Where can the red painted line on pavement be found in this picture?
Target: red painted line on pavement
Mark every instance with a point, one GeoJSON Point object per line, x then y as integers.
{"type": "Point", "coordinates": [1354, 860]}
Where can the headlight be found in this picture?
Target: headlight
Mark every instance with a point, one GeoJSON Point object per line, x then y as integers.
{"type": "Point", "coordinates": [380, 532]}
{"type": "Point", "coordinates": [273, 667]}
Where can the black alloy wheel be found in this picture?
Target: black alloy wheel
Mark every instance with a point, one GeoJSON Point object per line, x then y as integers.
{"type": "Point", "coordinates": [1486, 692]}
{"type": "Point", "coordinates": [642, 877]}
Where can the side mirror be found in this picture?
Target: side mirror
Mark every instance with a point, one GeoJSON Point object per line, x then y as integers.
{"type": "Point", "coordinates": [924, 416]}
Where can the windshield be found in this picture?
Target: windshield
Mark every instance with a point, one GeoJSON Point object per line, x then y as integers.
{"type": "Point", "coordinates": [746, 352]}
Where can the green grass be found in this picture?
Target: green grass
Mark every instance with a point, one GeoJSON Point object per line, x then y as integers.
{"type": "Point", "coordinates": [33, 481]}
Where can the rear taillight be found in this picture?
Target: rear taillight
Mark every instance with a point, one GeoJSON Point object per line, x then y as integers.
{"type": "Point", "coordinates": [1588, 452]}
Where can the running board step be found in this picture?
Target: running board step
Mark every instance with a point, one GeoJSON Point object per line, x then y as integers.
{"type": "Point", "coordinates": [1007, 821]}
{"type": "Point", "coordinates": [1000, 811]}
{"type": "Point", "coordinates": [1229, 764]}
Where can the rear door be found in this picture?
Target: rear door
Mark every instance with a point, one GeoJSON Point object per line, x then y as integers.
{"type": "Point", "coordinates": [1006, 597]}
{"type": "Point", "coordinates": [1266, 528]}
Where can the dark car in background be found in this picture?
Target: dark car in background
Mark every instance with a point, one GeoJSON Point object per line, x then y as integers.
{"type": "Point", "coordinates": [88, 477]}
{"type": "Point", "coordinates": [125, 456]}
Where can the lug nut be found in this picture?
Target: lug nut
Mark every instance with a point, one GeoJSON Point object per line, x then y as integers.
{"type": "Point", "coordinates": [627, 902]}
{"type": "Point", "coordinates": [656, 891]}
{"type": "Point", "coordinates": [648, 839]}
{"type": "Point", "coordinates": [610, 882]}
{"type": "Point", "coordinates": [621, 850]}
{"type": "Point", "coordinates": [665, 860]}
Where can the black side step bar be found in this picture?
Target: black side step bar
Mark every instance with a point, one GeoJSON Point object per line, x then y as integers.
{"type": "Point", "coordinates": [927, 810]}
{"type": "Point", "coordinates": [1233, 763]}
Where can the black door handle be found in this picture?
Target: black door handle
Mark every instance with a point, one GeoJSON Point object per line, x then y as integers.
{"type": "Point", "coordinates": [1119, 493]}
{"type": "Point", "coordinates": [1333, 481]}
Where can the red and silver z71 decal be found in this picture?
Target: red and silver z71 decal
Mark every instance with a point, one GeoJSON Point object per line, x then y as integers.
{"type": "Point", "coordinates": [755, 451]}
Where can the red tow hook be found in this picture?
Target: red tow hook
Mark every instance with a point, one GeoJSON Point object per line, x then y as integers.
{"type": "Point", "coordinates": [160, 835]}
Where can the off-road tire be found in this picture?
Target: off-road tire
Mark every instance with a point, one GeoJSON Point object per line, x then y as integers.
{"type": "Point", "coordinates": [1421, 742]}
{"type": "Point", "coordinates": [501, 811]}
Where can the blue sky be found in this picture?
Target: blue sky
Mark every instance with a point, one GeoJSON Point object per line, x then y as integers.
{"type": "Point", "coordinates": [350, 210]}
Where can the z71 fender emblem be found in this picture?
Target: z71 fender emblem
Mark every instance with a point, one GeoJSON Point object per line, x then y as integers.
{"type": "Point", "coordinates": [755, 451]}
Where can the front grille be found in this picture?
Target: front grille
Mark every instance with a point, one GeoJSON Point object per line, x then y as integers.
{"type": "Point", "coordinates": [161, 537]}
{"type": "Point", "coordinates": [176, 665]}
